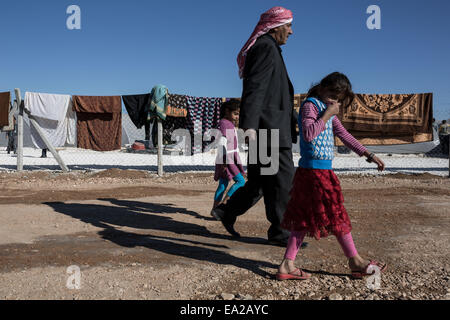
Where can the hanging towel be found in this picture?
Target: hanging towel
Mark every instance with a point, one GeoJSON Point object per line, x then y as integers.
{"type": "Point", "coordinates": [386, 119]}
{"type": "Point", "coordinates": [5, 100]}
{"type": "Point", "coordinates": [47, 106]}
{"type": "Point", "coordinates": [159, 102]}
{"type": "Point", "coordinates": [177, 107]}
{"type": "Point", "coordinates": [176, 112]}
{"type": "Point", "coordinates": [56, 132]}
{"type": "Point", "coordinates": [175, 120]}
{"type": "Point", "coordinates": [203, 114]}
{"type": "Point", "coordinates": [99, 122]}
{"type": "Point", "coordinates": [137, 107]}
{"type": "Point", "coordinates": [172, 123]}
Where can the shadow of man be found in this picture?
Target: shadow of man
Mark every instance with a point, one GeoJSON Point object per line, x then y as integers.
{"type": "Point", "coordinates": [128, 214]}
{"type": "Point", "coordinates": [103, 216]}
{"type": "Point", "coordinates": [197, 251]}
{"type": "Point", "coordinates": [154, 208]}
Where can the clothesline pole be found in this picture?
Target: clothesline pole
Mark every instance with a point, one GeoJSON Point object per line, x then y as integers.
{"type": "Point", "coordinates": [160, 148]}
{"type": "Point", "coordinates": [19, 131]}
{"type": "Point", "coordinates": [47, 143]}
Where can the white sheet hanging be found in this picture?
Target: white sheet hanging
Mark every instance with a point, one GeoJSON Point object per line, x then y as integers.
{"type": "Point", "coordinates": [47, 106]}
{"type": "Point", "coordinates": [58, 132]}
{"type": "Point", "coordinates": [71, 122]}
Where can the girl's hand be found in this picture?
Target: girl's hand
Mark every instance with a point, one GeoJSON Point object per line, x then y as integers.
{"type": "Point", "coordinates": [333, 106]}
{"type": "Point", "coordinates": [379, 162]}
{"type": "Point", "coordinates": [332, 109]}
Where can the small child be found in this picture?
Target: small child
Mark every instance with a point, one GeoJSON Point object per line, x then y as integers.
{"type": "Point", "coordinates": [316, 207]}
{"type": "Point", "coordinates": [228, 163]}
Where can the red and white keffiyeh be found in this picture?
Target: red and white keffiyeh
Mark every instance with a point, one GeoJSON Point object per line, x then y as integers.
{"type": "Point", "coordinates": [274, 17]}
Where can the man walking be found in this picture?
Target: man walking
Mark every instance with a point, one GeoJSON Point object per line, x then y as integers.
{"type": "Point", "coordinates": [267, 103]}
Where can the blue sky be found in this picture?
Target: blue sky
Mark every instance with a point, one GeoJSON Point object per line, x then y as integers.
{"type": "Point", "coordinates": [127, 47]}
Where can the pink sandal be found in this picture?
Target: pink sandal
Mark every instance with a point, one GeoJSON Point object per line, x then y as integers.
{"type": "Point", "coordinates": [297, 274]}
{"type": "Point", "coordinates": [361, 274]}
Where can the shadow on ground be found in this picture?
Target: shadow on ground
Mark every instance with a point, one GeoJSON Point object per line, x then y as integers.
{"type": "Point", "coordinates": [150, 216]}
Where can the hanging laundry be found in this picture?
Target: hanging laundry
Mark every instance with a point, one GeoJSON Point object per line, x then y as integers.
{"type": "Point", "coordinates": [44, 108]}
{"type": "Point", "coordinates": [174, 120]}
{"type": "Point", "coordinates": [389, 119]}
{"type": "Point", "coordinates": [203, 114]}
{"type": "Point", "coordinates": [42, 105]}
{"type": "Point", "coordinates": [137, 107]}
{"type": "Point", "coordinates": [177, 107]}
{"type": "Point", "coordinates": [170, 125]}
{"type": "Point", "coordinates": [5, 100]}
{"type": "Point", "coordinates": [176, 112]}
{"type": "Point", "coordinates": [298, 100]}
{"type": "Point", "coordinates": [71, 123]}
{"type": "Point", "coordinates": [159, 102]}
{"type": "Point", "coordinates": [99, 122]}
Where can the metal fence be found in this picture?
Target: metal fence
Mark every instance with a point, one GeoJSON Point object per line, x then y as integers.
{"type": "Point", "coordinates": [170, 158]}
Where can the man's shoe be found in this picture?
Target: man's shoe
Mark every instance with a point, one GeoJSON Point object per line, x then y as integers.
{"type": "Point", "coordinates": [219, 215]}
{"type": "Point", "coordinates": [230, 228]}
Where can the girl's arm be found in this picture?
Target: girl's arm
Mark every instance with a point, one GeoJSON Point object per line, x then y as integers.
{"type": "Point", "coordinates": [348, 140]}
{"type": "Point", "coordinates": [354, 145]}
{"type": "Point", "coordinates": [312, 125]}
{"type": "Point", "coordinates": [223, 141]}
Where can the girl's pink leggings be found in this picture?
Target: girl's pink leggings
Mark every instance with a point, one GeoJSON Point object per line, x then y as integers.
{"type": "Point", "coordinates": [296, 240]}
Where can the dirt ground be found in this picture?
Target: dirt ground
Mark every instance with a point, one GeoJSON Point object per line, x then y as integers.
{"type": "Point", "coordinates": [134, 235]}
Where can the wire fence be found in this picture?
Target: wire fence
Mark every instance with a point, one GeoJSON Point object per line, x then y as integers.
{"type": "Point", "coordinates": [138, 151]}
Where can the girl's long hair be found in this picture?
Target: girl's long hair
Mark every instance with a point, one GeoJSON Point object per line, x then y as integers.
{"type": "Point", "coordinates": [335, 86]}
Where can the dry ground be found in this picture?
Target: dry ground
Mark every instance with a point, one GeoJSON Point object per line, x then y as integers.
{"type": "Point", "coordinates": [136, 236]}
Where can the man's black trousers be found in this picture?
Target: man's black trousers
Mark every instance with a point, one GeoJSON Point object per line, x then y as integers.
{"type": "Point", "coordinates": [274, 188]}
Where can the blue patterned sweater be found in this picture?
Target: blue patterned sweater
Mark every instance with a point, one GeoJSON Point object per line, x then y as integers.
{"type": "Point", "coordinates": [319, 153]}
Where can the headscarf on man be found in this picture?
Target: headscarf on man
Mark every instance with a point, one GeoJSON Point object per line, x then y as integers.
{"type": "Point", "coordinates": [274, 17]}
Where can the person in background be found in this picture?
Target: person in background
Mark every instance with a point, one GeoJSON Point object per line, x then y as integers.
{"type": "Point", "coordinates": [12, 147]}
{"type": "Point", "coordinates": [444, 132]}
{"type": "Point", "coordinates": [228, 163]}
{"type": "Point", "coordinates": [316, 207]}
{"type": "Point", "coordinates": [435, 125]}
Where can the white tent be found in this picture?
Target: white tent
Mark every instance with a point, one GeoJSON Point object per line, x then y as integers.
{"type": "Point", "coordinates": [413, 148]}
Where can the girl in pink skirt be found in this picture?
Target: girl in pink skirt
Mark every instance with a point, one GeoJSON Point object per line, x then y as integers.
{"type": "Point", "coordinates": [316, 207]}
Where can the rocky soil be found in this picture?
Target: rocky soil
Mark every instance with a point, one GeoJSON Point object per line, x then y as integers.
{"type": "Point", "coordinates": [134, 235]}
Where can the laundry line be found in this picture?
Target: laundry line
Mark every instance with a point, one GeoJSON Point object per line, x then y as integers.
{"type": "Point", "coordinates": [44, 141]}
